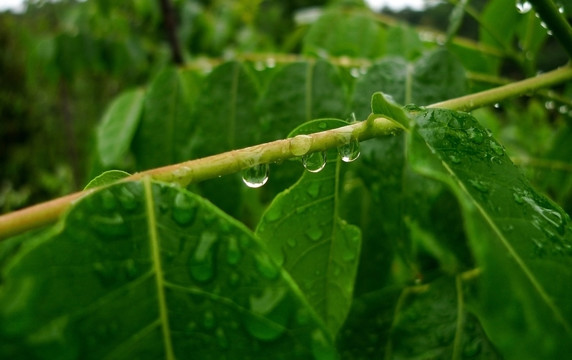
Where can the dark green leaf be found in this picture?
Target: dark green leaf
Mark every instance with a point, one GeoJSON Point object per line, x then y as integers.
{"type": "Point", "coordinates": [305, 235]}
{"type": "Point", "coordinates": [147, 270]}
{"type": "Point", "coordinates": [434, 77]}
{"type": "Point", "coordinates": [300, 92]}
{"type": "Point", "coordinates": [342, 33]}
{"type": "Point", "coordinates": [164, 134]}
{"type": "Point", "coordinates": [106, 178]}
{"type": "Point", "coordinates": [519, 238]}
{"type": "Point", "coordinates": [117, 128]}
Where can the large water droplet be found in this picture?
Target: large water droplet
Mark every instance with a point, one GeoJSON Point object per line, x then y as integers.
{"type": "Point", "coordinates": [476, 135]}
{"type": "Point", "coordinates": [265, 266]}
{"type": "Point", "coordinates": [202, 259]}
{"type": "Point", "coordinates": [523, 6]}
{"type": "Point", "coordinates": [112, 225]}
{"type": "Point", "coordinates": [300, 145]}
{"type": "Point", "coordinates": [127, 199]}
{"type": "Point", "coordinates": [266, 317]}
{"type": "Point", "coordinates": [314, 162]}
{"type": "Point", "coordinates": [256, 176]}
{"type": "Point", "coordinates": [313, 189]}
{"type": "Point", "coordinates": [233, 253]}
{"type": "Point", "coordinates": [184, 209]}
{"type": "Point", "coordinates": [274, 213]}
{"type": "Point", "coordinates": [350, 151]}
{"type": "Point", "coordinates": [497, 148]}
{"type": "Point", "coordinates": [314, 233]}
{"type": "Point", "coordinates": [480, 185]}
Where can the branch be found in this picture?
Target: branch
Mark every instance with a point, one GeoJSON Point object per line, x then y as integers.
{"type": "Point", "coordinates": [194, 171]}
{"type": "Point", "coordinates": [555, 21]}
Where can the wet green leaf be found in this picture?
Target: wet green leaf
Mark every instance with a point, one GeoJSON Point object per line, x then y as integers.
{"type": "Point", "coordinates": [164, 133]}
{"type": "Point", "coordinates": [300, 92]}
{"type": "Point", "coordinates": [118, 126]}
{"type": "Point", "coordinates": [147, 270]}
{"type": "Point", "coordinates": [106, 178]}
{"type": "Point", "coordinates": [384, 105]}
{"type": "Point", "coordinates": [345, 33]}
{"type": "Point", "coordinates": [305, 235]}
{"type": "Point", "coordinates": [436, 76]}
{"type": "Point", "coordinates": [519, 238]}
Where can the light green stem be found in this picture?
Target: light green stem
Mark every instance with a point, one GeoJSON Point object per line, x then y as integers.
{"type": "Point", "coordinates": [194, 171]}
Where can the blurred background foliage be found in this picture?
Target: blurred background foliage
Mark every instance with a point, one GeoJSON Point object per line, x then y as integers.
{"type": "Point", "coordinates": [63, 62]}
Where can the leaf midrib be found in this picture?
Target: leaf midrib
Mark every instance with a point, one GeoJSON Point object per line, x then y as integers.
{"type": "Point", "coordinates": [157, 268]}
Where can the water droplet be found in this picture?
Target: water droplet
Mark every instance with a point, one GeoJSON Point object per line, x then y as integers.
{"type": "Point", "coordinates": [480, 185]}
{"type": "Point", "coordinates": [221, 339]}
{"type": "Point", "coordinates": [274, 213]}
{"type": "Point", "coordinates": [523, 6]}
{"type": "Point", "coordinates": [113, 225]}
{"type": "Point", "coordinates": [314, 233]}
{"type": "Point", "coordinates": [455, 159]}
{"type": "Point", "coordinates": [127, 199]}
{"type": "Point", "coordinates": [270, 63]}
{"type": "Point", "coordinates": [300, 145]}
{"type": "Point", "coordinates": [350, 151]}
{"type": "Point", "coordinates": [209, 320]}
{"type": "Point", "coordinates": [313, 189]}
{"type": "Point", "coordinates": [202, 259]}
{"type": "Point", "coordinates": [233, 253]}
{"type": "Point", "coordinates": [476, 135]}
{"type": "Point", "coordinates": [497, 148]}
{"type": "Point", "coordinates": [355, 72]}
{"type": "Point", "coordinates": [314, 162]}
{"type": "Point", "coordinates": [265, 266]}
{"type": "Point", "coordinates": [259, 66]}
{"type": "Point", "coordinates": [256, 176]}
{"type": "Point", "coordinates": [184, 209]}
{"type": "Point", "coordinates": [323, 125]}
{"type": "Point", "coordinates": [266, 317]}
{"type": "Point", "coordinates": [291, 242]}
{"type": "Point", "coordinates": [106, 273]}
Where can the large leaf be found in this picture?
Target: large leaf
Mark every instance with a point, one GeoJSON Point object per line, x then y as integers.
{"type": "Point", "coordinates": [225, 114]}
{"type": "Point", "coordinates": [118, 126]}
{"type": "Point", "coordinates": [434, 77]}
{"type": "Point", "coordinates": [355, 34]}
{"type": "Point", "coordinates": [300, 92]}
{"type": "Point", "coordinates": [520, 239]}
{"type": "Point", "coordinates": [150, 271]}
{"type": "Point", "coordinates": [164, 132]}
{"type": "Point", "coordinates": [305, 235]}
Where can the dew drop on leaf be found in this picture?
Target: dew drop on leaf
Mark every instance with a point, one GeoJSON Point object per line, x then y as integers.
{"type": "Point", "coordinates": [127, 199]}
{"type": "Point", "coordinates": [209, 320]}
{"type": "Point", "coordinates": [350, 151]}
{"type": "Point", "coordinates": [314, 162]}
{"type": "Point", "coordinates": [184, 210]}
{"type": "Point", "coordinates": [480, 185]}
{"type": "Point", "coordinates": [291, 242]}
{"type": "Point", "coordinates": [202, 259]}
{"type": "Point", "coordinates": [255, 176]}
{"type": "Point", "coordinates": [221, 338]}
{"type": "Point", "coordinates": [113, 225]}
{"type": "Point", "coordinates": [108, 200]}
{"type": "Point", "coordinates": [497, 148]}
{"type": "Point", "coordinates": [233, 253]}
{"type": "Point", "coordinates": [523, 6]}
{"type": "Point", "coordinates": [265, 266]}
{"type": "Point", "coordinates": [267, 317]}
{"type": "Point", "coordinates": [320, 348]}
{"type": "Point", "coordinates": [300, 145]}
{"type": "Point", "coordinates": [313, 189]}
{"type": "Point", "coordinates": [314, 233]}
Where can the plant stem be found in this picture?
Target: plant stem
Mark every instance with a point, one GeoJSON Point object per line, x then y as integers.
{"type": "Point", "coordinates": [233, 161]}
{"type": "Point", "coordinates": [555, 21]}
{"type": "Point", "coordinates": [477, 100]}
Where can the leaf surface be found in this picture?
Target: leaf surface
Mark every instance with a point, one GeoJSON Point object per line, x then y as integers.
{"type": "Point", "coordinates": [106, 178]}
{"type": "Point", "coordinates": [147, 270]}
{"type": "Point", "coordinates": [118, 126]}
{"type": "Point", "coordinates": [306, 236]}
{"type": "Point", "coordinates": [520, 239]}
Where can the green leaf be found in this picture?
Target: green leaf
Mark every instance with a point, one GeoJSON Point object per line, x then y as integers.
{"type": "Point", "coordinates": [436, 76]}
{"type": "Point", "coordinates": [498, 23]}
{"type": "Point", "coordinates": [147, 270]}
{"type": "Point", "coordinates": [519, 238]}
{"type": "Point", "coordinates": [225, 111]}
{"type": "Point", "coordinates": [306, 90]}
{"type": "Point", "coordinates": [342, 33]}
{"type": "Point", "coordinates": [106, 178]}
{"type": "Point", "coordinates": [117, 128]}
{"type": "Point", "coordinates": [403, 41]}
{"type": "Point", "coordinates": [455, 19]}
{"type": "Point", "coordinates": [382, 104]}
{"type": "Point", "coordinates": [164, 133]}
{"type": "Point", "coordinates": [305, 235]}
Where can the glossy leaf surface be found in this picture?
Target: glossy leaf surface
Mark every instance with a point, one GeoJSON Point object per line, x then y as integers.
{"type": "Point", "coordinates": [146, 270]}
{"type": "Point", "coordinates": [306, 236]}
{"type": "Point", "coordinates": [513, 231]}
